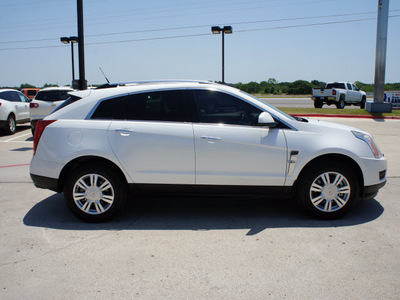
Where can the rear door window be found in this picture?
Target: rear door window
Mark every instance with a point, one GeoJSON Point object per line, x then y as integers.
{"type": "Point", "coordinates": [157, 106]}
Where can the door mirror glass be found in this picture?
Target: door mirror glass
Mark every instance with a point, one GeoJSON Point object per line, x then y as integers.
{"type": "Point", "coordinates": [265, 119]}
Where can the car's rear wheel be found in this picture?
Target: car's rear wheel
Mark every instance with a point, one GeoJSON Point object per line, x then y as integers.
{"type": "Point", "coordinates": [341, 104]}
{"type": "Point", "coordinates": [11, 125]}
{"type": "Point", "coordinates": [328, 190]}
{"type": "Point", "coordinates": [318, 103]}
{"type": "Point", "coordinates": [94, 193]}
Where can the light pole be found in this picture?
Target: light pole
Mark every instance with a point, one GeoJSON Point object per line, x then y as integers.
{"type": "Point", "coordinates": [218, 30]}
{"type": "Point", "coordinates": [72, 40]}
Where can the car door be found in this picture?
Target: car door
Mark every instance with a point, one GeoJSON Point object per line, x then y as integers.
{"type": "Point", "coordinates": [357, 94]}
{"type": "Point", "coordinates": [154, 140]}
{"type": "Point", "coordinates": [349, 93]}
{"type": "Point", "coordinates": [19, 106]}
{"type": "Point", "coordinates": [23, 106]}
{"type": "Point", "coordinates": [230, 148]}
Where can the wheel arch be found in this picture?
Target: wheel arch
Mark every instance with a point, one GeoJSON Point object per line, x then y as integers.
{"type": "Point", "coordinates": [334, 158]}
{"type": "Point", "coordinates": [90, 160]}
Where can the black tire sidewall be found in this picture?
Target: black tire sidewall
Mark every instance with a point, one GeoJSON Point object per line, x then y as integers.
{"type": "Point", "coordinates": [362, 104]}
{"type": "Point", "coordinates": [8, 128]}
{"type": "Point", "coordinates": [118, 185]}
{"type": "Point", "coordinates": [308, 177]}
{"type": "Point", "coordinates": [341, 104]}
{"type": "Point", "coordinates": [318, 103]}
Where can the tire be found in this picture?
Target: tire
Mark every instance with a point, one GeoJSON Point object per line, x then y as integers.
{"type": "Point", "coordinates": [362, 103]}
{"type": "Point", "coordinates": [341, 104]}
{"type": "Point", "coordinates": [327, 190]}
{"type": "Point", "coordinates": [95, 193]}
{"type": "Point", "coordinates": [318, 103]}
{"type": "Point", "coordinates": [11, 125]}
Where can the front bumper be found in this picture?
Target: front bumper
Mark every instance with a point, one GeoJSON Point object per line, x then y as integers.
{"type": "Point", "coordinates": [371, 191]}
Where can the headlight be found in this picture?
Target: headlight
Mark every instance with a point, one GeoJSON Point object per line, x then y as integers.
{"type": "Point", "coordinates": [370, 142]}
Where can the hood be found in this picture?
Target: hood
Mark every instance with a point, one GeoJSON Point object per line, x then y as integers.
{"type": "Point", "coordinates": [318, 126]}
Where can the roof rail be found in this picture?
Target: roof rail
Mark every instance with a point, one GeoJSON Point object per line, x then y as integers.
{"type": "Point", "coordinates": [133, 83]}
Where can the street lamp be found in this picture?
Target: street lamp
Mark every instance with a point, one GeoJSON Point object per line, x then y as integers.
{"type": "Point", "coordinates": [218, 30]}
{"type": "Point", "coordinates": [72, 40]}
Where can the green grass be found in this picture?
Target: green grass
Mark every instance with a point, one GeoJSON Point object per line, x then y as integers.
{"type": "Point", "coordinates": [327, 111]}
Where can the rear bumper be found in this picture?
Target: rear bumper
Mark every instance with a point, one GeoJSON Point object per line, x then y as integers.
{"type": "Point", "coordinates": [45, 182]}
{"type": "Point", "coordinates": [324, 98]}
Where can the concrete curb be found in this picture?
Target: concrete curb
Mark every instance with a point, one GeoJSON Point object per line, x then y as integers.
{"type": "Point", "coordinates": [347, 116]}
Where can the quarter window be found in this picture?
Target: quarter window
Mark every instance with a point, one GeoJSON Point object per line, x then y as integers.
{"type": "Point", "coordinates": [217, 107]}
{"type": "Point", "coordinates": [109, 109]}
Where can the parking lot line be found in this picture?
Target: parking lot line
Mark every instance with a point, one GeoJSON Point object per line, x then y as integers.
{"type": "Point", "coordinates": [17, 137]}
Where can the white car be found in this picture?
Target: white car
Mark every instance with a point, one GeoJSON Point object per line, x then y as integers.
{"type": "Point", "coordinates": [45, 102]}
{"type": "Point", "coordinates": [14, 109]}
{"type": "Point", "coordinates": [198, 137]}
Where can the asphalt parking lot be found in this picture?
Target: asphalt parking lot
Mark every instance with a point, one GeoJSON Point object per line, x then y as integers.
{"type": "Point", "coordinates": [197, 248]}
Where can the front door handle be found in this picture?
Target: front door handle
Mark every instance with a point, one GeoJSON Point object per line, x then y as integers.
{"type": "Point", "coordinates": [211, 139]}
{"type": "Point", "coordinates": [124, 132]}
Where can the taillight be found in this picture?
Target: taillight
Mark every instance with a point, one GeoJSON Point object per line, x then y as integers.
{"type": "Point", "coordinates": [334, 92]}
{"type": "Point", "coordinates": [40, 126]}
{"type": "Point", "coordinates": [33, 105]}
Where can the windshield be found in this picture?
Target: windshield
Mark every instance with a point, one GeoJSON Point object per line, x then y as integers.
{"type": "Point", "coordinates": [271, 107]}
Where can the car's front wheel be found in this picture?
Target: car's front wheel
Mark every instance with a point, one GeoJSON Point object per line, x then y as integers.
{"type": "Point", "coordinates": [328, 190]}
{"type": "Point", "coordinates": [94, 193]}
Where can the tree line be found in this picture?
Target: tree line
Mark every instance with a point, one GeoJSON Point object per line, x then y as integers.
{"type": "Point", "coordinates": [271, 86]}
{"type": "Point", "coordinates": [299, 87]}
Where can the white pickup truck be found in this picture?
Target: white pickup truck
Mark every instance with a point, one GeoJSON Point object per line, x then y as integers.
{"type": "Point", "coordinates": [340, 94]}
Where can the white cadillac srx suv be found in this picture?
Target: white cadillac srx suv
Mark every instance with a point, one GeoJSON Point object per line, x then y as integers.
{"type": "Point", "coordinates": [197, 137]}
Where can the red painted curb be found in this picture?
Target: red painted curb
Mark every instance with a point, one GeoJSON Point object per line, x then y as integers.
{"type": "Point", "coordinates": [346, 116]}
{"type": "Point", "coordinates": [10, 166]}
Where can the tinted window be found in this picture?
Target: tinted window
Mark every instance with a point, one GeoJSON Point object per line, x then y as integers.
{"type": "Point", "coordinates": [217, 107]}
{"type": "Point", "coordinates": [14, 96]}
{"type": "Point", "coordinates": [67, 102]}
{"type": "Point", "coordinates": [109, 109]}
{"type": "Point", "coordinates": [4, 96]}
{"type": "Point", "coordinates": [31, 92]}
{"type": "Point", "coordinates": [52, 95]}
{"type": "Point", "coordinates": [349, 86]}
{"type": "Point", "coordinates": [335, 85]}
{"type": "Point", "coordinates": [156, 106]}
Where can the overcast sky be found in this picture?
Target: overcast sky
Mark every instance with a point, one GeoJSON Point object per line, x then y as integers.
{"type": "Point", "coordinates": [131, 40]}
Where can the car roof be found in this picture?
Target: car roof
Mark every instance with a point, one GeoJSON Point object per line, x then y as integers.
{"type": "Point", "coordinates": [57, 88]}
{"type": "Point", "coordinates": [151, 82]}
{"type": "Point", "coordinates": [115, 89]}
{"type": "Point", "coordinates": [9, 90]}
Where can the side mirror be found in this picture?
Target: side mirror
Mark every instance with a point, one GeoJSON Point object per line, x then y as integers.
{"type": "Point", "coordinates": [265, 119]}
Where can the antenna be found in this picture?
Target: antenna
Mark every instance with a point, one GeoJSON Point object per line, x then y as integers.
{"type": "Point", "coordinates": [108, 81]}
